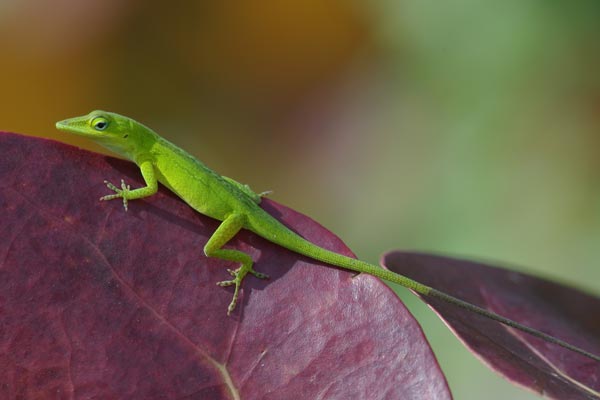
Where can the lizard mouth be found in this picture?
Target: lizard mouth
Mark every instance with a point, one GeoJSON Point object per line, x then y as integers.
{"type": "Point", "coordinates": [62, 125]}
{"type": "Point", "coordinates": [69, 127]}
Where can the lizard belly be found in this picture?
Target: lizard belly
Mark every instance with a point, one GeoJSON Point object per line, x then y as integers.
{"type": "Point", "coordinates": [198, 194]}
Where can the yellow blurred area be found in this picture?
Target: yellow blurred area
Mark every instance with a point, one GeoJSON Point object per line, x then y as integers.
{"type": "Point", "coordinates": [264, 55]}
{"type": "Point", "coordinates": [463, 127]}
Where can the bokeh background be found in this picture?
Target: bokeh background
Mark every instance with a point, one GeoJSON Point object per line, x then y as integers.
{"type": "Point", "coordinates": [463, 127]}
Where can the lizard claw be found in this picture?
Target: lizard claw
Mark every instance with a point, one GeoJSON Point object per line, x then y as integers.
{"type": "Point", "coordinates": [238, 277]}
{"type": "Point", "coordinates": [119, 193]}
{"type": "Point", "coordinates": [265, 193]}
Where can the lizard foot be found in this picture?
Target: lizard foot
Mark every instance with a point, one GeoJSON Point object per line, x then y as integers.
{"type": "Point", "coordinates": [238, 276]}
{"type": "Point", "coordinates": [119, 193]}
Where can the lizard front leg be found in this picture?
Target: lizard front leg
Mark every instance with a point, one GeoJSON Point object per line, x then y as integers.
{"type": "Point", "coordinates": [213, 248]}
{"type": "Point", "coordinates": [147, 170]}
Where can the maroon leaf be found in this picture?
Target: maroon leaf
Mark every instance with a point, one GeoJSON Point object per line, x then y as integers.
{"type": "Point", "coordinates": [96, 302]}
{"type": "Point", "coordinates": [555, 309]}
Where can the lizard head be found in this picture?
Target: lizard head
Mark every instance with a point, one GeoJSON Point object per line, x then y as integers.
{"type": "Point", "coordinates": [118, 133]}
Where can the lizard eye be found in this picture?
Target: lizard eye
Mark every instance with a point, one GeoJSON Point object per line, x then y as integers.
{"type": "Point", "coordinates": [100, 123]}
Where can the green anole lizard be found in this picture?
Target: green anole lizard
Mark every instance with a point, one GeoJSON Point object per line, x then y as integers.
{"type": "Point", "coordinates": [234, 204]}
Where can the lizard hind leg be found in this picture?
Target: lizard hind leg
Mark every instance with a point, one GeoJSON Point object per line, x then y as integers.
{"type": "Point", "coordinates": [227, 230]}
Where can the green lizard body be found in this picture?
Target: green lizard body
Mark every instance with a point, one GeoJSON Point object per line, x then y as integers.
{"type": "Point", "coordinates": [233, 203]}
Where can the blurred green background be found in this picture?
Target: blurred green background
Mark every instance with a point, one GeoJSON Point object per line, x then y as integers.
{"type": "Point", "coordinates": [463, 127]}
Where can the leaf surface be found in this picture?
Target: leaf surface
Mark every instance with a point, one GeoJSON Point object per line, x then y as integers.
{"type": "Point", "coordinates": [558, 310]}
{"type": "Point", "coordinates": [96, 302]}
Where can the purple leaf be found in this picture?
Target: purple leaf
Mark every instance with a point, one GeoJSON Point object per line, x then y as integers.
{"type": "Point", "coordinates": [96, 302]}
{"type": "Point", "coordinates": [560, 311]}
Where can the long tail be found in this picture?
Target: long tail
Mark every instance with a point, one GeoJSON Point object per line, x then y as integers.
{"type": "Point", "coordinates": [304, 247]}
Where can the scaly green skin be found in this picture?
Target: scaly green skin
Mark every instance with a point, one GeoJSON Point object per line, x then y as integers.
{"type": "Point", "coordinates": [232, 203]}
